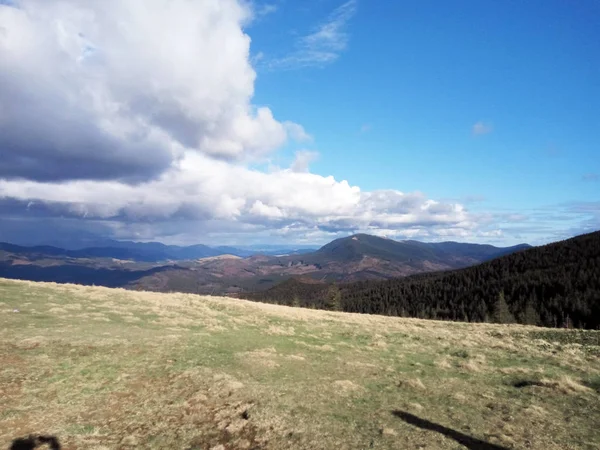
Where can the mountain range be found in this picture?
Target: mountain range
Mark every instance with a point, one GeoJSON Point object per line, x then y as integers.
{"type": "Point", "coordinates": [204, 269]}
{"type": "Point", "coordinates": [150, 251]}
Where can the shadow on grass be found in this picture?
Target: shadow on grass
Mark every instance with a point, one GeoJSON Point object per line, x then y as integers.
{"type": "Point", "coordinates": [32, 442]}
{"type": "Point", "coordinates": [468, 441]}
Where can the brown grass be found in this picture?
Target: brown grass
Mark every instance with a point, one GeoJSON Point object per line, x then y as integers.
{"type": "Point", "coordinates": [109, 368]}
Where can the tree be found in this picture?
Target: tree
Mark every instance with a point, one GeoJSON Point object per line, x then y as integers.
{"type": "Point", "coordinates": [333, 301]}
{"type": "Point", "coordinates": [501, 312]}
{"type": "Point", "coordinates": [531, 316]}
{"type": "Point", "coordinates": [296, 302]}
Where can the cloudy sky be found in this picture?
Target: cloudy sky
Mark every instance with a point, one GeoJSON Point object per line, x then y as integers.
{"type": "Point", "coordinates": [238, 122]}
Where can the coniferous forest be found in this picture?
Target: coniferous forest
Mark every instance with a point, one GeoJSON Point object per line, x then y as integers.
{"type": "Point", "coordinates": [556, 285]}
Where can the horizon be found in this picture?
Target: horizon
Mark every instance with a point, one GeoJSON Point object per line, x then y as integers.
{"type": "Point", "coordinates": [288, 246]}
{"type": "Point", "coordinates": [473, 122]}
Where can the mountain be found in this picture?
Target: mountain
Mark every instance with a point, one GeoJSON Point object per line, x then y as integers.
{"type": "Point", "coordinates": [362, 257]}
{"type": "Point", "coordinates": [148, 251]}
{"type": "Point", "coordinates": [203, 269]}
{"type": "Point", "coordinates": [136, 251]}
{"type": "Point", "coordinates": [358, 257]}
{"type": "Point", "coordinates": [554, 285]}
{"type": "Point", "coordinates": [360, 245]}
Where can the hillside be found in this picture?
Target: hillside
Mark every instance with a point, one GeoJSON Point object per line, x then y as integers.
{"type": "Point", "coordinates": [201, 269]}
{"type": "Point", "coordinates": [354, 258]}
{"type": "Point", "coordinates": [553, 285]}
{"type": "Point", "coordinates": [101, 368]}
{"type": "Point", "coordinates": [366, 257]}
{"type": "Point", "coordinates": [446, 253]}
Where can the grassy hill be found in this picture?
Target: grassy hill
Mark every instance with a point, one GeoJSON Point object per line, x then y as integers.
{"type": "Point", "coordinates": [102, 368]}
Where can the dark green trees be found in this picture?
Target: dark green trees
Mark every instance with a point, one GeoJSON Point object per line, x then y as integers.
{"type": "Point", "coordinates": [555, 285]}
{"type": "Point", "coordinates": [502, 313]}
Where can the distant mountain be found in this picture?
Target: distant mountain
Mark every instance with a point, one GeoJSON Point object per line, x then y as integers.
{"type": "Point", "coordinates": [270, 250]}
{"type": "Point", "coordinates": [354, 258]}
{"type": "Point", "coordinates": [146, 252]}
{"type": "Point", "coordinates": [553, 285]}
{"type": "Point", "coordinates": [360, 245]}
{"type": "Point", "coordinates": [149, 251]}
{"type": "Point", "coordinates": [362, 256]}
{"type": "Point", "coordinates": [204, 269]}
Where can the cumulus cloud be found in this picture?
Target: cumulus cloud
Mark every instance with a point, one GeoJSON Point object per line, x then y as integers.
{"type": "Point", "coordinates": [297, 132]}
{"type": "Point", "coordinates": [120, 89]}
{"type": "Point", "coordinates": [205, 189]}
{"type": "Point", "coordinates": [481, 128]}
{"type": "Point", "coordinates": [135, 118]}
{"type": "Point", "coordinates": [302, 160]}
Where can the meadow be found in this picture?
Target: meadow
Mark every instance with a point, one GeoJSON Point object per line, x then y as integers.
{"type": "Point", "coordinates": [108, 368]}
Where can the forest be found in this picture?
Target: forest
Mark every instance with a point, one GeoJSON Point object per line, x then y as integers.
{"type": "Point", "coordinates": [555, 285]}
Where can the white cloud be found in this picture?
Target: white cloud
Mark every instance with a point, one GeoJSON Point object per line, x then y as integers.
{"type": "Point", "coordinates": [265, 9]}
{"type": "Point", "coordinates": [108, 123]}
{"type": "Point", "coordinates": [297, 132]}
{"type": "Point", "coordinates": [324, 44]}
{"type": "Point", "coordinates": [302, 160]}
{"type": "Point", "coordinates": [93, 90]}
{"type": "Point", "coordinates": [204, 189]}
{"type": "Point", "coordinates": [481, 128]}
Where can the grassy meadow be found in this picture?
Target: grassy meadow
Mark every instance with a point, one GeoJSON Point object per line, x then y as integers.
{"type": "Point", "coordinates": [112, 369]}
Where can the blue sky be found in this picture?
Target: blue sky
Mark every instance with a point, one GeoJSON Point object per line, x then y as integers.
{"type": "Point", "coordinates": [398, 107]}
{"type": "Point", "coordinates": [248, 122]}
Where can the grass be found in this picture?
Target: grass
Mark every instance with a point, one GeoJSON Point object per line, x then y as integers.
{"type": "Point", "coordinates": [102, 369]}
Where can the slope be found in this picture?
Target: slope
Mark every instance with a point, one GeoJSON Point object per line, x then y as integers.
{"type": "Point", "coordinates": [553, 285]}
{"type": "Point", "coordinates": [359, 246]}
{"type": "Point", "coordinates": [102, 368]}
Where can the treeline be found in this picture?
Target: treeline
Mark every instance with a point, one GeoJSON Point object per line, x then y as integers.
{"type": "Point", "coordinates": [557, 285]}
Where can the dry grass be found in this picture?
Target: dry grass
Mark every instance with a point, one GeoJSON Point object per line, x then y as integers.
{"type": "Point", "coordinates": [564, 384]}
{"type": "Point", "coordinates": [105, 369]}
{"type": "Point", "coordinates": [413, 383]}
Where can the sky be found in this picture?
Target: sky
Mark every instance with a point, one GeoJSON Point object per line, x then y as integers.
{"type": "Point", "coordinates": [237, 122]}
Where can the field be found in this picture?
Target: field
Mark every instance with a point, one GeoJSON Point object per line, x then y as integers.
{"type": "Point", "coordinates": [107, 368]}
